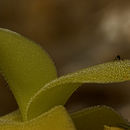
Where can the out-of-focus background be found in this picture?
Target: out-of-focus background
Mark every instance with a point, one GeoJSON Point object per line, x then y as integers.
{"type": "Point", "coordinates": [76, 34]}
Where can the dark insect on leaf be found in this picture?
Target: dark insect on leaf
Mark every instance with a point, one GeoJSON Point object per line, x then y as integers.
{"type": "Point", "coordinates": [118, 57]}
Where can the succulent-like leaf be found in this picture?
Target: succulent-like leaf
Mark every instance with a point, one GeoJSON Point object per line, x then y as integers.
{"type": "Point", "coordinates": [55, 119]}
{"type": "Point", "coordinates": [32, 78]}
{"type": "Point", "coordinates": [95, 118]}
{"type": "Point", "coordinates": [58, 91]}
{"type": "Point", "coordinates": [112, 128]}
{"type": "Point", "coordinates": [25, 66]}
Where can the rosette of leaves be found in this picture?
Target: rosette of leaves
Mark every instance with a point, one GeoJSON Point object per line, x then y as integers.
{"type": "Point", "coordinates": [41, 95]}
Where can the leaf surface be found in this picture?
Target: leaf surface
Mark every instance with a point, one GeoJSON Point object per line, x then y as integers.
{"type": "Point", "coordinates": [32, 78]}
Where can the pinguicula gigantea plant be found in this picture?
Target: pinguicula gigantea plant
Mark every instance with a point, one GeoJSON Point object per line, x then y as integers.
{"type": "Point", "coordinates": [41, 95]}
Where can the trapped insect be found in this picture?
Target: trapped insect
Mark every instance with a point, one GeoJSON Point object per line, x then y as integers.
{"type": "Point", "coordinates": [118, 57]}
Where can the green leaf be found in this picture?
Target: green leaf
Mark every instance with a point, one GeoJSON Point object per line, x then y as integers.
{"type": "Point", "coordinates": [95, 118]}
{"type": "Point", "coordinates": [25, 66]}
{"type": "Point", "coordinates": [32, 78]}
{"type": "Point", "coordinates": [55, 119]}
{"type": "Point", "coordinates": [112, 128]}
{"type": "Point", "coordinates": [58, 91]}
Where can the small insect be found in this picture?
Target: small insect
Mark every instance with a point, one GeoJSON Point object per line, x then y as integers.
{"type": "Point", "coordinates": [118, 57]}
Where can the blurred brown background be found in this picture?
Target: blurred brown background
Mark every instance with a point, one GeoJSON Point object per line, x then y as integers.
{"type": "Point", "coordinates": [76, 34]}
